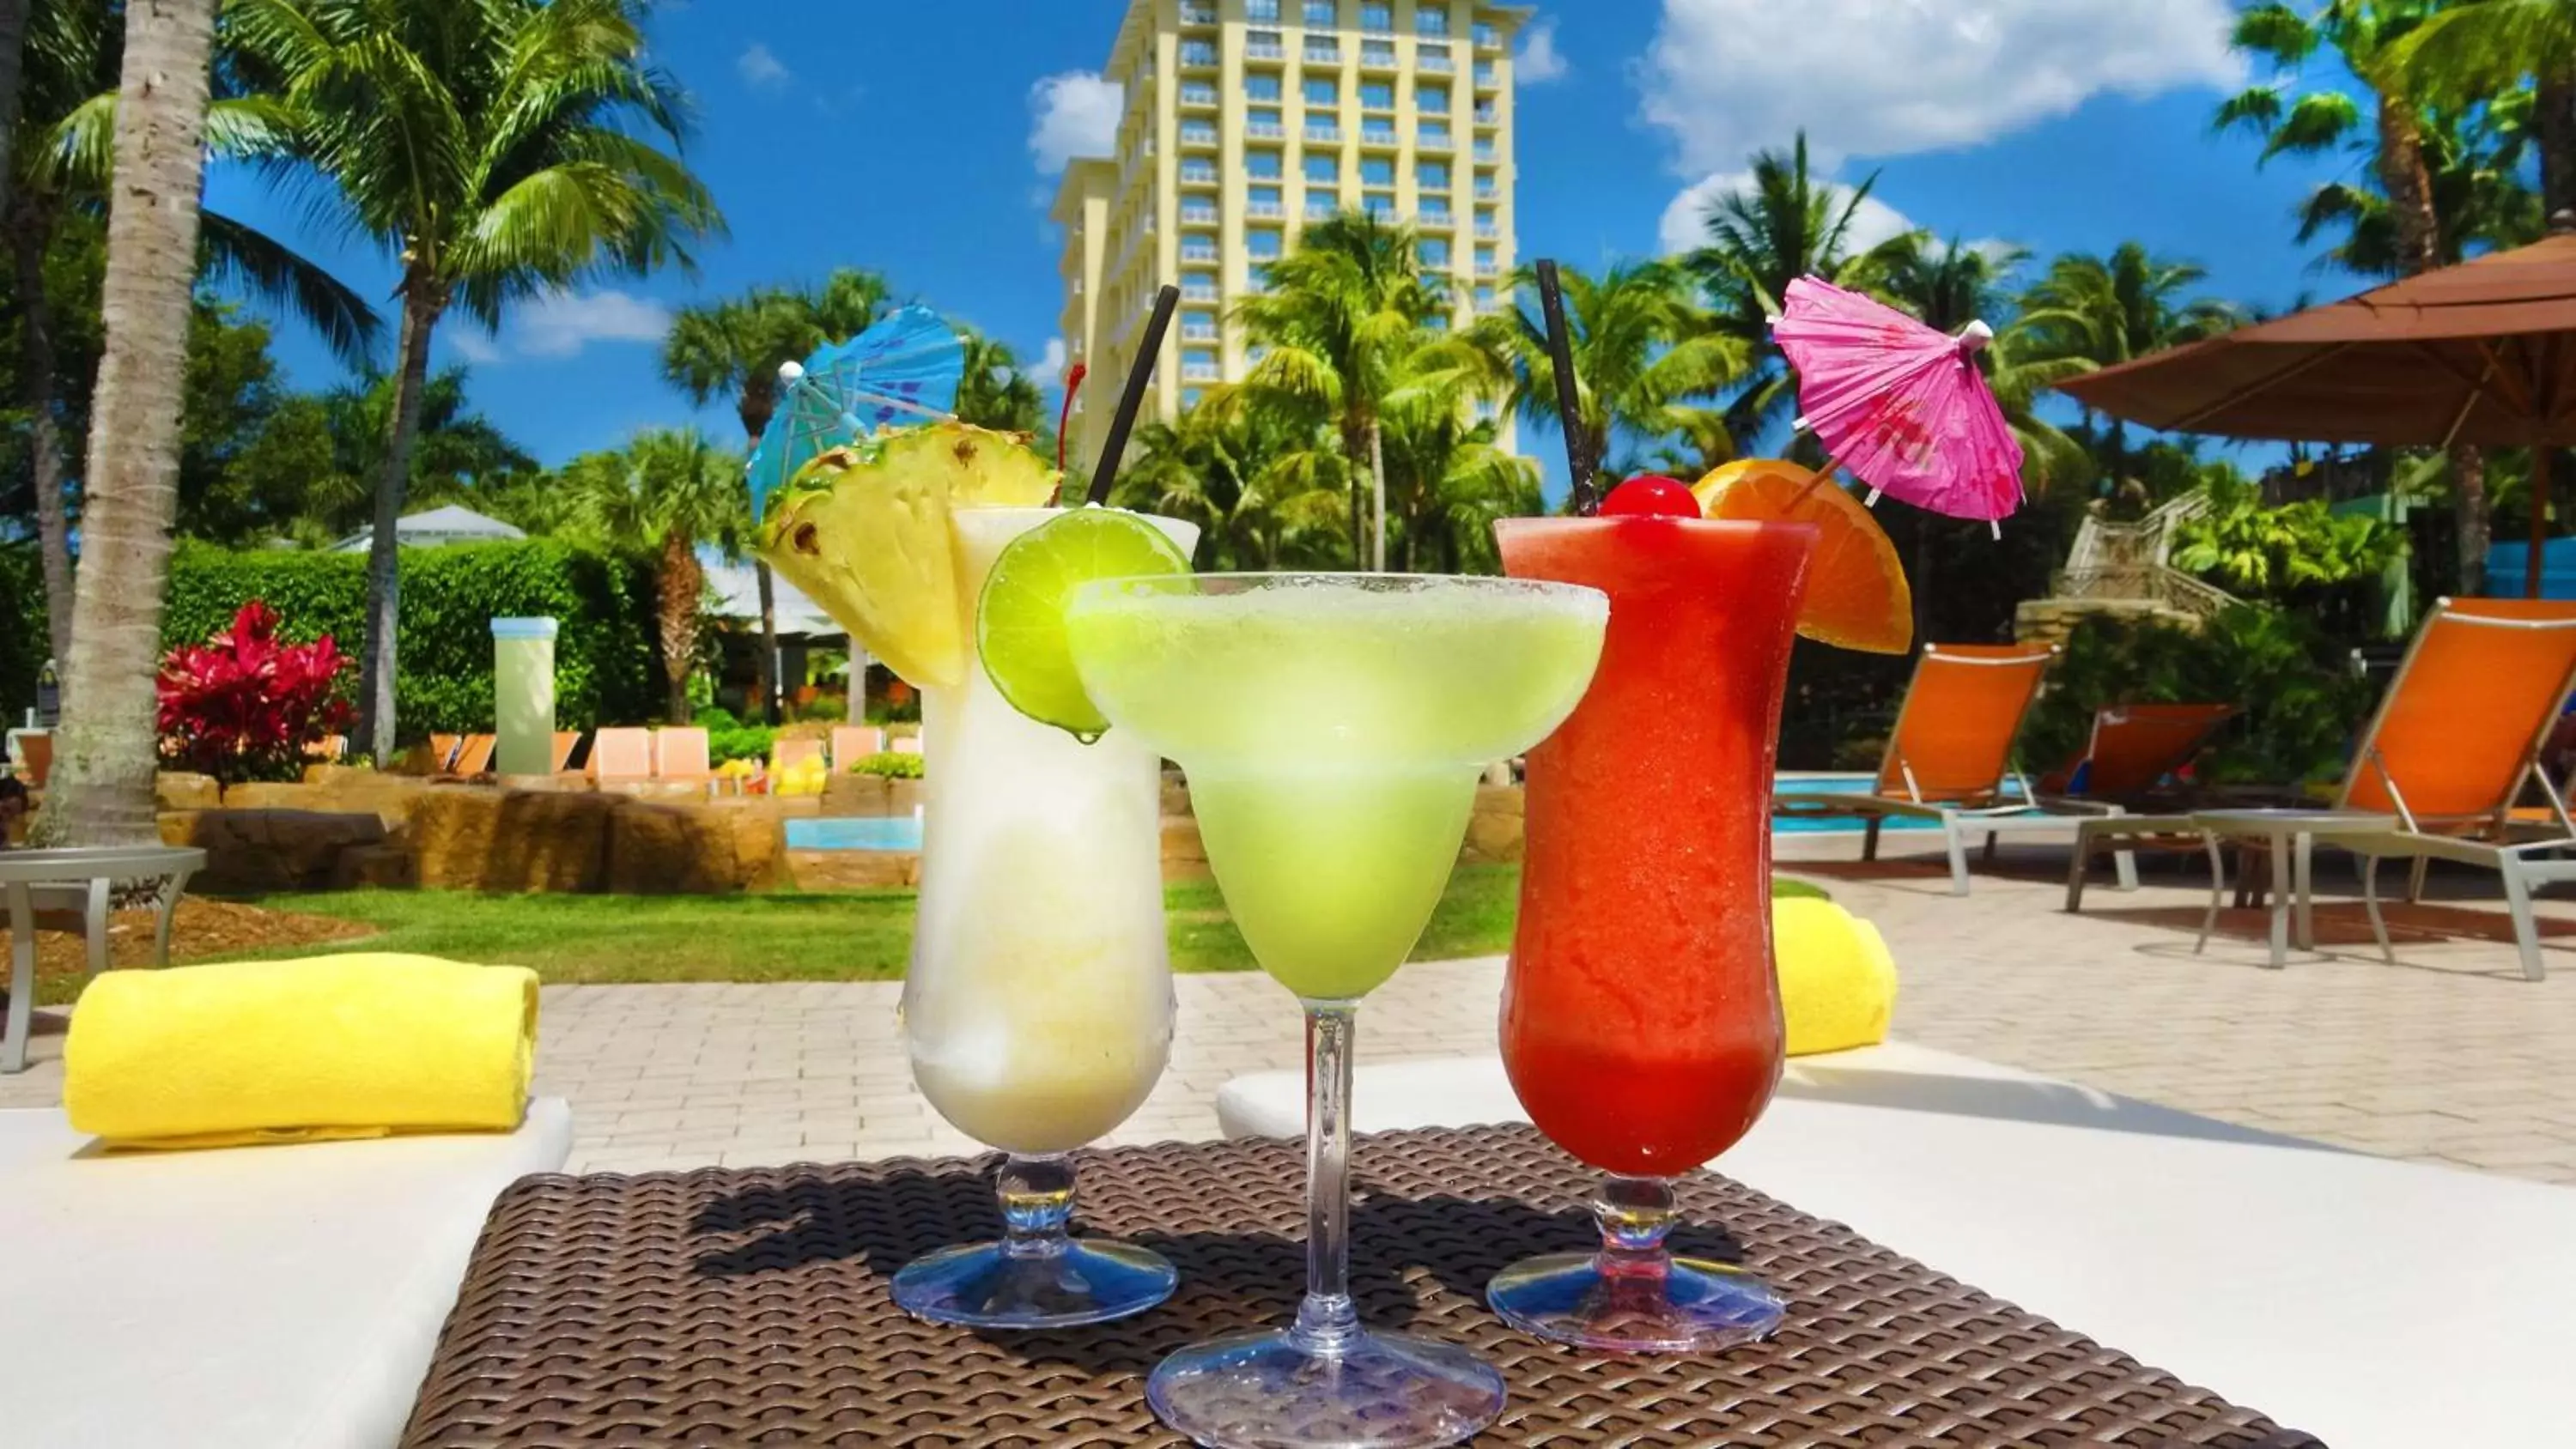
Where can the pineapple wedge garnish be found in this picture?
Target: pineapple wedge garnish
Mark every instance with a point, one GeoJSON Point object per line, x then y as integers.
{"type": "Point", "coordinates": [863, 531]}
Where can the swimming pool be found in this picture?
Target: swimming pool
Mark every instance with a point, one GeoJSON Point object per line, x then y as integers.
{"type": "Point", "coordinates": [892, 832]}
{"type": "Point", "coordinates": [1836, 785]}
{"type": "Point", "coordinates": [903, 832]}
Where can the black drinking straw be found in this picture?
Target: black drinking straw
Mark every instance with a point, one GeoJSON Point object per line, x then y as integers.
{"type": "Point", "coordinates": [1569, 402]}
{"type": "Point", "coordinates": [1134, 397]}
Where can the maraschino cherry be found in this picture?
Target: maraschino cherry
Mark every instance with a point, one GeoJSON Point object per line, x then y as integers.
{"type": "Point", "coordinates": [1651, 495]}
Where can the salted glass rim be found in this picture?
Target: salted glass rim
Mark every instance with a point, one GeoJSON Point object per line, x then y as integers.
{"type": "Point", "coordinates": [1249, 581]}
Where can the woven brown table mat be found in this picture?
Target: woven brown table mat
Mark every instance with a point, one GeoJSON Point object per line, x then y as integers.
{"type": "Point", "coordinates": [750, 1308]}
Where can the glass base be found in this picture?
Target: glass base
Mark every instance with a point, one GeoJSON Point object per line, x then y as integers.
{"type": "Point", "coordinates": [1691, 1306]}
{"type": "Point", "coordinates": [983, 1287]}
{"type": "Point", "coordinates": [1376, 1391]}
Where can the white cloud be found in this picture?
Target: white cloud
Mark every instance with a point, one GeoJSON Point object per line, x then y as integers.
{"type": "Point", "coordinates": [562, 323]}
{"type": "Point", "coordinates": [1685, 223]}
{"type": "Point", "coordinates": [761, 69]}
{"type": "Point", "coordinates": [470, 343]}
{"type": "Point", "coordinates": [1073, 114]}
{"type": "Point", "coordinates": [1048, 370]}
{"type": "Point", "coordinates": [1539, 62]}
{"type": "Point", "coordinates": [1725, 78]}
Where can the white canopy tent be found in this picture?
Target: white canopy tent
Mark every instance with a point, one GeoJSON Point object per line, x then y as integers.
{"type": "Point", "coordinates": [436, 528]}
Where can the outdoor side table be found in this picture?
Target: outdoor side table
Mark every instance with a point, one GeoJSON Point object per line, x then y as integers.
{"type": "Point", "coordinates": [750, 1307]}
{"type": "Point", "coordinates": [2289, 836]}
{"type": "Point", "coordinates": [78, 880]}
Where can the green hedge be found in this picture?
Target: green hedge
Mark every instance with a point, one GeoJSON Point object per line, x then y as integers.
{"type": "Point", "coordinates": [607, 668]}
{"type": "Point", "coordinates": [22, 631]}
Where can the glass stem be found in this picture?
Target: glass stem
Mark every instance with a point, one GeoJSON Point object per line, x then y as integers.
{"type": "Point", "coordinates": [1037, 1205]}
{"type": "Point", "coordinates": [1328, 1321]}
{"type": "Point", "coordinates": [1635, 1214]}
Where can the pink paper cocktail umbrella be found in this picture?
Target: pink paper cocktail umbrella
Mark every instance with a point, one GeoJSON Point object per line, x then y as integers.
{"type": "Point", "coordinates": [1900, 404]}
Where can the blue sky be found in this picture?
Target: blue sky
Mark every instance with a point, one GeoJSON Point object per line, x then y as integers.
{"type": "Point", "coordinates": [906, 137]}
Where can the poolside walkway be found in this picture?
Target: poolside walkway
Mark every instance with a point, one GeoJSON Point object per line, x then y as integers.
{"type": "Point", "coordinates": [2448, 1057]}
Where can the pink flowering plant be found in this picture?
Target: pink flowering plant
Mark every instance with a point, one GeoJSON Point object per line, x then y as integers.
{"type": "Point", "coordinates": [244, 705]}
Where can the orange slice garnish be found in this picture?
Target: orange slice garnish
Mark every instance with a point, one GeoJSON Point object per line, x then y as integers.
{"type": "Point", "coordinates": [1857, 596]}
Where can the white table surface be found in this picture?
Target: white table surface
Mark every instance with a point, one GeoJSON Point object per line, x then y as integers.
{"type": "Point", "coordinates": [2376, 1304]}
{"type": "Point", "coordinates": [262, 1297]}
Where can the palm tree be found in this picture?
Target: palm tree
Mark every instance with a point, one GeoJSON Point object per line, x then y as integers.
{"type": "Point", "coordinates": [1700, 442]}
{"type": "Point", "coordinates": [1265, 484]}
{"type": "Point", "coordinates": [63, 148]}
{"type": "Point", "coordinates": [1788, 224]}
{"type": "Point", "coordinates": [501, 149]}
{"type": "Point", "coordinates": [2089, 312]}
{"type": "Point", "coordinates": [1341, 312]}
{"type": "Point", "coordinates": [2365, 36]}
{"type": "Point", "coordinates": [1641, 349]}
{"type": "Point", "coordinates": [2372, 39]}
{"type": "Point", "coordinates": [2475, 158]}
{"type": "Point", "coordinates": [103, 777]}
{"type": "Point", "coordinates": [1448, 478]}
{"type": "Point", "coordinates": [2466, 53]}
{"type": "Point", "coordinates": [994, 392]}
{"type": "Point", "coordinates": [666, 492]}
{"type": "Point", "coordinates": [734, 349]}
{"type": "Point", "coordinates": [1953, 284]}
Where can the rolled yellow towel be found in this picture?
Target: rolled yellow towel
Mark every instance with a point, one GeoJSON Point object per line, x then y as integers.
{"type": "Point", "coordinates": [1837, 982]}
{"type": "Point", "coordinates": [295, 1051]}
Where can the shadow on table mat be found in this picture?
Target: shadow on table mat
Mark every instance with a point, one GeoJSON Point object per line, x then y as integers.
{"type": "Point", "coordinates": [746, 1307]}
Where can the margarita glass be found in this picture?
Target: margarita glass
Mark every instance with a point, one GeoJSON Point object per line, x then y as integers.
{"type": "Point", "coordinates": [1333, 728]}
{"type": "Point", "coordinates": [1641, 1011]}
{"type": "Point", "coordinates": [1038, 1007]}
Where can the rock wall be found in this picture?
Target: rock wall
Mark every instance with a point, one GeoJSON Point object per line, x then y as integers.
{"type": "Point", "coordinates": [2050, 621]}
{"type": "Point", "coordinates": [253, 852]}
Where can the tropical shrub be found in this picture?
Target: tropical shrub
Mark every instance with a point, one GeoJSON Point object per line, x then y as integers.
{"type": "Point", "coordinates": [607, 669]}
{"type": "Point", "coordinates": [2300, 556]}
{"type": "Point", "coordinates": [2298, 698]}
{"type": "Point", "coordinates": [739, 742]}
{"type": "Point", "coordinates": [892, 765]}
{"type": "Point", "coordinates": [244, 704]}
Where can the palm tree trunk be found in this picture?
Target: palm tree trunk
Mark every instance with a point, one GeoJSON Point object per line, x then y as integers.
{"type": "Point", "coordinates": [1377, 498]}
{"type": "Point", "coordinates": [681, 581]}
{"type": "Point", "coordinates": [44, 430]}
{"type": "Point", "coordinates": [2409, 184]}
{"type": "Point", "coordinates": [2469, 495]}
{"type": "Point", "coordinates": [765, 678]}
{"type": "Point", "coordinates": [377, 672]}
{"type": "Point", "coordinates": [103, 774]}
{"type": "Point", "coordinates": [760, 403]}
{"type": "Point", "coordinates": [2555, 100]}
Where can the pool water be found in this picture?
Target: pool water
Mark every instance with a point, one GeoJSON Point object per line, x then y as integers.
{"type": "Point", "coordinates": [903, 832]}
{"type": "Point", "coordinates": [1836, 785]}
{"type": "Point", "coordinates": [893, 832]}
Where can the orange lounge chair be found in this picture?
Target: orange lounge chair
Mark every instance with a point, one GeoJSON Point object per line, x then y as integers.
{"type": "Point", "coordinates": [474, 757]}
{"type": "Point", "coordinates": [565, 742]}
{"type": "Point", "coordinates": [787, 754]}
{"type": "Point", "coordinates": [853, 743]}
{"type": "Point", "coordinates": [2457, 739]}
{"type": "Point", "coordinates": [2136, 748]}
{"type": "Point", "coordinates": [1951, 752]}
{"type": "Point", "coordinates": [680, 757]}
{"type": "Point", "coordinates": [622, 756]}
{"type": "Point", "coordinates": [442, 752]}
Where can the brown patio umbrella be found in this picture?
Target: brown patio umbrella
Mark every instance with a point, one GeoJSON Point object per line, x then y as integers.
{"type": "Point", "coordinates": [2482, 353]}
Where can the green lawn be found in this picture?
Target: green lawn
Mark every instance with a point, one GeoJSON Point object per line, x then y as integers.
{"type": "Point", "coordinates": [860, 936]}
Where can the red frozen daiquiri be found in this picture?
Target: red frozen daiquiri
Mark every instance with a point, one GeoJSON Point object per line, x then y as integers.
{"type": "Point", "coordinates": [1641, 1016]}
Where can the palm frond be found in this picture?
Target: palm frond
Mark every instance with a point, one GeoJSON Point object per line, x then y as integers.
{"type": "Point", "coordinates": [294, 284]}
